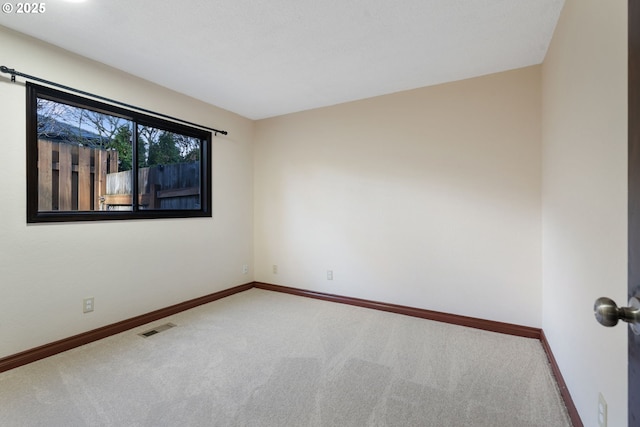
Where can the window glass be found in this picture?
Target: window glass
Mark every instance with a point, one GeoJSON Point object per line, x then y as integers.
{"type": "Point", "coordinates": [169, 173]}
{"type": "Point", "coordinates": [82, 164]}
{"type": "Point", "coordinates": [79, 151]}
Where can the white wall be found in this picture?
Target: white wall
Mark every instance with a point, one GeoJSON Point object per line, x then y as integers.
{"type": "Point", "coordinates": [585, 200]}
{"type": "Point", "coordinates": [130, 267]}
{"type": "Point", "coordinates": [429, 198]}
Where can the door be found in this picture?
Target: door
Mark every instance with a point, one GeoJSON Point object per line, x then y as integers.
{"type": "Point", "coordinates": [606, 310]}
{"type": "Point", "coordinates": [633, 280]}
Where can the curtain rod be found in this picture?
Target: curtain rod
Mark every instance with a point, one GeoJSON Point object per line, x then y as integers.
{"type": "Point", "coordinates": [15, 73]}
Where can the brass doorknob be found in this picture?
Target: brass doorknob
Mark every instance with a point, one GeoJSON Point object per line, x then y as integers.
{"type": "Point", "coordinates": [608, 313]}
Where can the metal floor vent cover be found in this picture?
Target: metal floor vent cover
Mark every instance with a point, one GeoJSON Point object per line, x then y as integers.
{"type": "Point", "coordinates": [157, 330]}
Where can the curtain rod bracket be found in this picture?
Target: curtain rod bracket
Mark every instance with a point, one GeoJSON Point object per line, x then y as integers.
{"type": "Point", "coordinates": [9, 71]}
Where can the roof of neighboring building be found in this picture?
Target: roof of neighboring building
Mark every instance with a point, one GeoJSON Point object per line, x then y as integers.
{"type": "Point", "coordinates": [56, 130]}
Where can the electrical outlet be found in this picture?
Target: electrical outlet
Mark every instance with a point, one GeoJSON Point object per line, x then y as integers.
{"type": "Point", "coordinates": [602, 411]}
{"type": "Point", "coordinates": [275, 269]}
{"type": "Point", "coordinates": [245, 269]}
{"type": "Point", "coordinates": [87, 305]}
{"type": "Point", "coordinates": [329, 274]}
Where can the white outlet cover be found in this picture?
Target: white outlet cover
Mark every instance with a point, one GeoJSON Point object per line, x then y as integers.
{"type": "Point", "coordinates": [87, 305]}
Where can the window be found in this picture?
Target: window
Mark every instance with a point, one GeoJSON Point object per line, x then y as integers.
{"type": "Point", "coordinates": [88, 160]}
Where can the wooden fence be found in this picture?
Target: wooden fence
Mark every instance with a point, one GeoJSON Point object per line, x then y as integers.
{"type": "Point", "coordinates": [175, 186]}
{"type": "Point", "coordinates": [75, 178]}
{"type": "Point", "coordinates": [72, 177]}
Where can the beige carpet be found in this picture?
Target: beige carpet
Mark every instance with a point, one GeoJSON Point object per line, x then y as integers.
{"type": "Point", "coordinates": [262, 358]}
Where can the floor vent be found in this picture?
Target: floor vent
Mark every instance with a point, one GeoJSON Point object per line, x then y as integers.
{"type": "Point", "coordinates": [157, 330]}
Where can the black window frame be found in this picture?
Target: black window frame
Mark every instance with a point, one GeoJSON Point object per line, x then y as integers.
{"type": "Point", "coordinates": [35, 91]}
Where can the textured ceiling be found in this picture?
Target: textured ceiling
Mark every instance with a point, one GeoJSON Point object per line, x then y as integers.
{"type": "Point", "coordinates": [262, 58]}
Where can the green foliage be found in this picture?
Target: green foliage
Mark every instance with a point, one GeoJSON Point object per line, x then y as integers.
{"type": "Point", "coordinates": [193, 155]}
{"type": "Point", "coordinates": [164, 151]}
{"type": "Point", "coordinates": [121, 142]}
